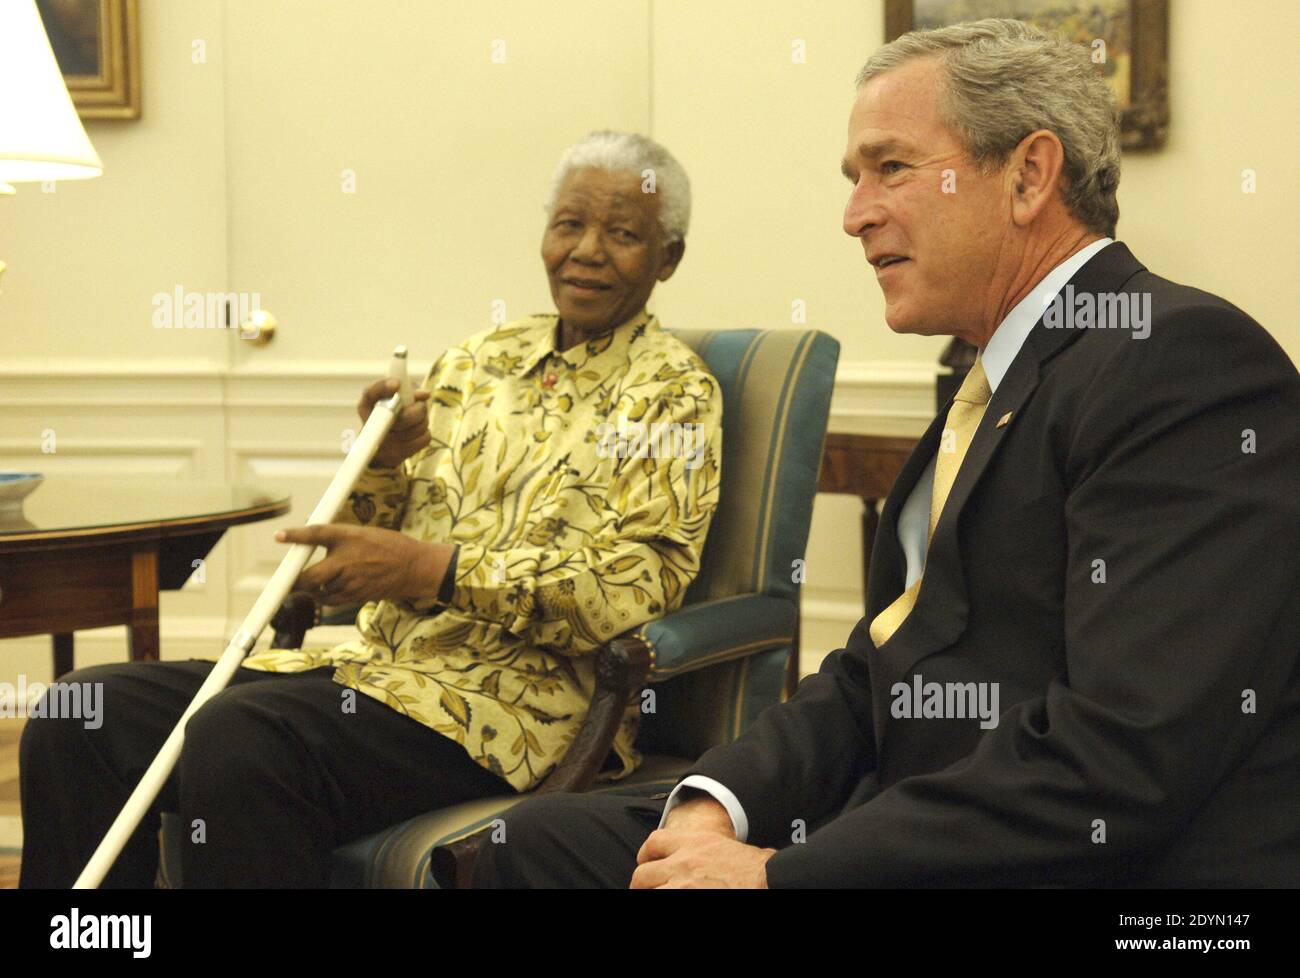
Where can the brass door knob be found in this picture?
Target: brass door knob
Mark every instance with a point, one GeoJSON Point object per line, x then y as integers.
{"type": "Point", "coordinates": [259, 328]}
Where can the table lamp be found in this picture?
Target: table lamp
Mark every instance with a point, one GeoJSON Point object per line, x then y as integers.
{"type": "Point", "coordinates": [41, 137]}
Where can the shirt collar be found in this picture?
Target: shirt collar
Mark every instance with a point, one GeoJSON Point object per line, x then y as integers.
{"type": "Point", "coordinates": [610, 348]}
{"type": "Point", "coordinates": [1012, 332]}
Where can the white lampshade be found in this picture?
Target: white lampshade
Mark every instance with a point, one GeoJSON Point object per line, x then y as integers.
{"type": "Point", "coordinates": [41, 137]}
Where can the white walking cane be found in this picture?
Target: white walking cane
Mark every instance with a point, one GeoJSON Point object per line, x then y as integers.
{"type": "Point", "coordinates": [277, 589]}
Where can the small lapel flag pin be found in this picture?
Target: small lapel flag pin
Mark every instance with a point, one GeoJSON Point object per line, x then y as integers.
{"type": "Point", "coordinates": [1002, 421]}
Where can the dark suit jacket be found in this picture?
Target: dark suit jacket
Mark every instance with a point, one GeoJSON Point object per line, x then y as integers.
{"type": "Point", "coordinates": [1150, 725]}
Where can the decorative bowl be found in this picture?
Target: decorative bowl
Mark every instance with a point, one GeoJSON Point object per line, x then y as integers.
{"type": "Point", "coordinates": [14, 487]}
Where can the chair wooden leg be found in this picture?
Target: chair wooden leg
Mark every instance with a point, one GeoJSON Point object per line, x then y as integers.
{"type": "Point", "coordinates": [453, 866]}
{"type": "Point", "coordinates": [297, 614]}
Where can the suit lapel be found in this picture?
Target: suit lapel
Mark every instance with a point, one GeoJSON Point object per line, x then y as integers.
{"type": "Point", "coordinates": [939, 616]}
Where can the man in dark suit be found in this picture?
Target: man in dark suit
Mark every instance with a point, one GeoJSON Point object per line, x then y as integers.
{"type": "Point", "coordinates": [1079, 664]}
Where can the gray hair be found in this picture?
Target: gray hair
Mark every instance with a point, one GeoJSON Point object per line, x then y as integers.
{"type": "Point", "coordinates": [1005, 79]}
{"type": "Point", "coordinates": [629, 152]}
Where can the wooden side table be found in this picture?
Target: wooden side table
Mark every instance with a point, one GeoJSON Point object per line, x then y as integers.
{"type": "Point", "coordinates": [93, 552]}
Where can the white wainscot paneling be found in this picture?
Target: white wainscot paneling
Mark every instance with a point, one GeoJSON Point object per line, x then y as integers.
{"type": "Point", "coordinates": [115, 419]}
{"type": "Point", "coordinates": [283, 427]}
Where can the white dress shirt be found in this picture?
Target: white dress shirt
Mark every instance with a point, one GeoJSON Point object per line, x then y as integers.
{"type": "Point", "coordinates": [914, 517]}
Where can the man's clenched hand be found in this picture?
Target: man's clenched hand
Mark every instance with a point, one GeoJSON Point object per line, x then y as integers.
{"type": "Point", "coordinates": [697, 848]}
{"type": "Point", "coordinates": [410, 430]}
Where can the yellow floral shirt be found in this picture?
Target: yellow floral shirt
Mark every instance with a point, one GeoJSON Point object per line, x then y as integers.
{"type": "Point", "coordinates": [580, 486]}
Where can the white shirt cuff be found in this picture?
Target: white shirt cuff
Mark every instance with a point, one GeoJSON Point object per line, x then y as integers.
{"type": "Point", "coordinates": [720, 793]}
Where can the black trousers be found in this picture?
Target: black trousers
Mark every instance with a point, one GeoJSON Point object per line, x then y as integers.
{"type": "Point", "coordinates": [274, 774]}
{"type": "Point", "coordinates": [560, 841]}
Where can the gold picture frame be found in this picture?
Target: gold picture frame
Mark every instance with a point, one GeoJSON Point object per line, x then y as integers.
{"type": "Point", "coordinates": [97, 46]}
{"type": "Point", "coordinates": [1142, 85]}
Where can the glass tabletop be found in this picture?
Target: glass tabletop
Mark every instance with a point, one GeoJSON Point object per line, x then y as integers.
{"type": "Point", "coordinates": [66, 503]}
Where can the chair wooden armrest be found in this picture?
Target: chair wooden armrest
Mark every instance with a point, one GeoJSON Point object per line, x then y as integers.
{"type": "Point", "coordinates": [298, 613]}
{"type": "Point", "coordinates": [622, 666]}
{"type": "Point", "coordinates": [621, 670]}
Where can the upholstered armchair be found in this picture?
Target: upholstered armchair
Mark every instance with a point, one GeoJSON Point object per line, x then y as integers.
{"type": "Point", "coordinates": [712, 666]}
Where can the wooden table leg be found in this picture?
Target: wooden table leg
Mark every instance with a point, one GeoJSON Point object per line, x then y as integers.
{"type": "Point", "coordinates": [62, 653]}
{"type": "Point", "coordinates": [143, 629]}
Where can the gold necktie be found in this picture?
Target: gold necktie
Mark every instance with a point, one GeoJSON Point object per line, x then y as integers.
{"type": "Point", "coordinates": [963, 418]}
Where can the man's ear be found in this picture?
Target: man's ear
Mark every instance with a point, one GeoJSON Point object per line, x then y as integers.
{"type": "Point", "coordinates": [1035, 175]}
{"type": "Point", "coordinates": [672, 258]}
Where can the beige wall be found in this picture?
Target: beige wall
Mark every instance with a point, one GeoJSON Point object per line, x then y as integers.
{"type": "Point", "coordinates": [85, 261]}
{"type": "Point", "coordinates": [762, 138]}
{"type": "Point", "coordinates": [1234, 78]}
{"type": "Point", "coordinates": [453, 154]}
{"type": "Point", "coordinates": [233, 180]}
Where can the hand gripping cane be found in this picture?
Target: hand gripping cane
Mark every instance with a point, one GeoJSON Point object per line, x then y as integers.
{"type": "Point", "coordinates": [277, 589]}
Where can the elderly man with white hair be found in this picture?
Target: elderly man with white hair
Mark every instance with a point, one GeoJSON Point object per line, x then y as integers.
{"type": "Point", "coordinates": [551, 488]}
{"type": "Point", "coordinates": [1079, 664]}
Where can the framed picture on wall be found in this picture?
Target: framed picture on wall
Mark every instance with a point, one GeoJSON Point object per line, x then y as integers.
{"type": "Point", "coordinates": [97, 46]}
{"type": "Point", "coordinates": [1133, 55]}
